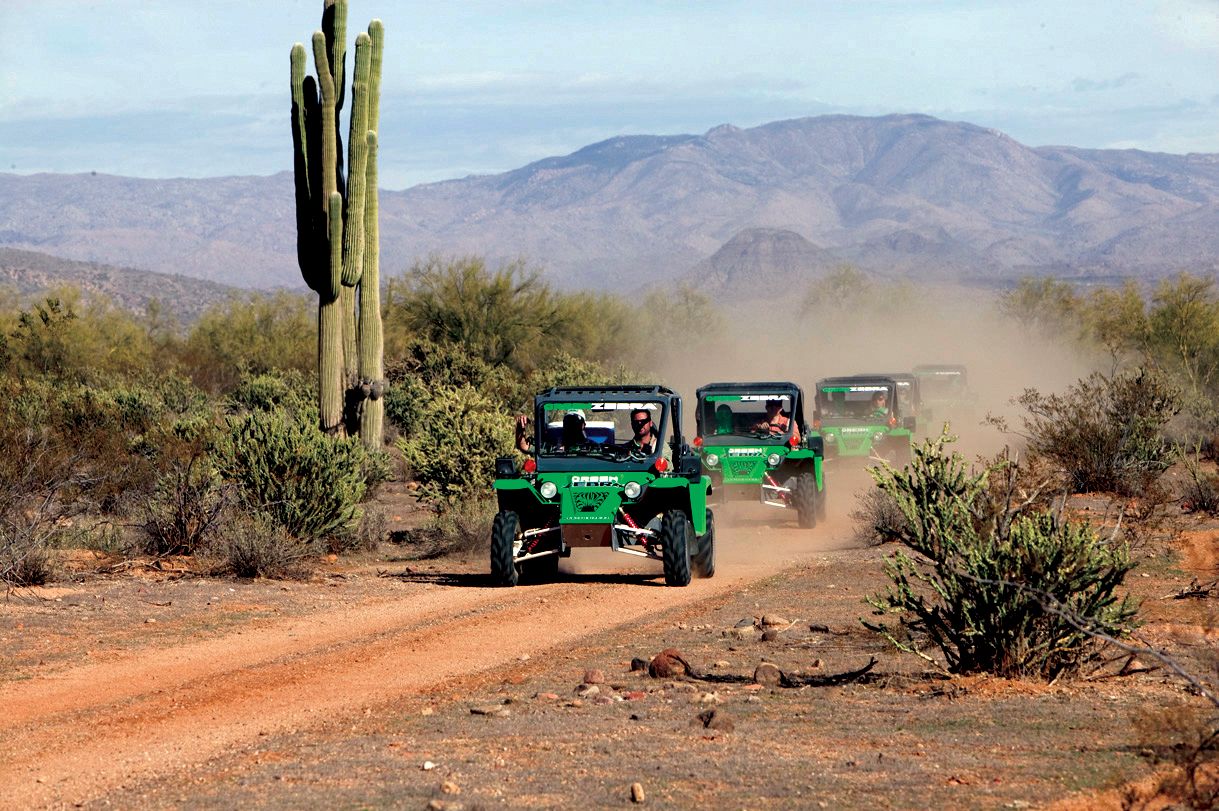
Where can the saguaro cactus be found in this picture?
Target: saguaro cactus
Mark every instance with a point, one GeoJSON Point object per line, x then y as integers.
{"type": "Point", "coordinates": [336, 219]}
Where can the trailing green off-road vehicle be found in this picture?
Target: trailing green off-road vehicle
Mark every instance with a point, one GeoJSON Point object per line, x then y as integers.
{"type": "Point", "coordinates": [909, 398]}
{"type": "Point", "coordinates": [859, 417]}
{"type": "Point", "coordinates": [755, 444]}
{"type": "Point", "coordinates": [945, 394]}
{"type": "Point", "coordinates": [589, 481]}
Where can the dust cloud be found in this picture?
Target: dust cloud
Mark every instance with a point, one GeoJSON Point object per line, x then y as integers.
{"type": "Point", "coordinates": [955, 325]}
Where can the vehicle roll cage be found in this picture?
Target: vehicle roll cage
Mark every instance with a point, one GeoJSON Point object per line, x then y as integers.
{"type": "Point", "coordinates": [607, 394]}
{"type": "Point", "coordinates": [859, 380]}
{"type": "Point", "coordinates": [775, 387]}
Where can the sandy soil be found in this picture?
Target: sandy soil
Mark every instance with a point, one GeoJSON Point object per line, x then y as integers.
{"type": "Point", "coordinates": [336, 692]}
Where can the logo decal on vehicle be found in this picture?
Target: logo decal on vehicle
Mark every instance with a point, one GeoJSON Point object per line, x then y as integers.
{"type": "Point", "coordinates": [745, 451]}
{"type": "Point", "coordinates": [594, 481]}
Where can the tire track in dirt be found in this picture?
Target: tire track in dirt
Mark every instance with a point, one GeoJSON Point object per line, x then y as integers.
{"type": "Point", "coordinates": [73, 737]}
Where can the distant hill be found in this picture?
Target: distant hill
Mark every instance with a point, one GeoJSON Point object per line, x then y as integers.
{"type": "Point", "coordinates": [898, 194]}
{"type": "Point", "coordinates": [32, 274]}
{"type": "Point", "coordinates": [761, 263]}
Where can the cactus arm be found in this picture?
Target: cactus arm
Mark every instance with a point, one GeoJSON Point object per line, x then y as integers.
{"type": "Point", "coordinates": [376, 33]}
{"type": "Point", "coordinates": [329, 135]}
{"type": "Point", "coordinates": [353, 227]}
{"type": "Point", "coordinates": [372, 341]}
{"type": "Point", "coordinates": [305, 234]}
{"type": "Point", "coordinates": [329, 338]}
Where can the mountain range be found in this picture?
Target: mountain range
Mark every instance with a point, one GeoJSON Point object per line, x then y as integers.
{"type": "Point", "coordinates": [897, 195]}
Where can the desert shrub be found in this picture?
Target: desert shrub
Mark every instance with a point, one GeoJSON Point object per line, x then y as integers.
{"type": "Point", "coordinates": [1200, 489]}
{"type": "Point", "coordinates": [453, 442]}
{"type": "Point", "coordinates": [306, 482]}
{"type": "Point", "coordinates": [287, 390]}
{"type": "Point", "coordinates": [253, 545]}
{"type": "Point", "coordinates": [996, 584]}
{"type": "Point", "coordinates": [877, 518]}
{"type": "Point", "coordinates": [461, 528]}
{"type": "Point", "coordinates": [186, 509]}
{"type": "Point", "coordinates": [249, 336]}
{"type": "Point", "coordinates": [39, 488]}
{"type": "Point", "coordinates": [500, 316]}
{"type": "Point", "coordinates": [1104, 433]}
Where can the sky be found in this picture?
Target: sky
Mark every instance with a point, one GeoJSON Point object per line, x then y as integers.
{"type": "Point", "coordinates": [191, 88]}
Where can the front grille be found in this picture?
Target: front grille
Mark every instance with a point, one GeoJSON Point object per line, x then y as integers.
{"type": "Point", "coordinates": [741, 468]}
{"type": "Point", "coordinates": [588, 501]}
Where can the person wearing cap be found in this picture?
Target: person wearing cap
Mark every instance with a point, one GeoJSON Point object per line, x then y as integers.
{"type": "Point", "coordinates": [776, 422]}
{"type": "Point", "coordinates": [880, 404]}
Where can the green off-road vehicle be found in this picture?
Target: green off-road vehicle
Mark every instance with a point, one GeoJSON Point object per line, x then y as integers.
{"type": "Point", "coordinates": [945, 394]}
{"type": "Point", "coordinates": [755, 444]}
{"type": "Point", "coordinates": [588, 482]}
{"type": "Point", "coordinates": [860, 417]}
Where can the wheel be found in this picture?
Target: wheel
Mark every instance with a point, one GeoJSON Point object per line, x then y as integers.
{"type": "Point", "coordinates": [704, 561]}
{"type": "Point", "coordinates": [804, 498]}
{"type": "Point", "coordinates": [504, 531]}
{"type": "Point", "coordinates": [674, 540]}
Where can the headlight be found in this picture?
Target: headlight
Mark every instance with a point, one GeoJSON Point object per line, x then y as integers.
{"type": "Point", "coordinates": [877, 437]}
{"type": "Point", "coordinates": [632, 490]}
{"type": "Point", "coordinates": [830, 437]}
{"type": "Point", "coordinates": [548, 489]}
{"type": "Point", "coordinates": [712, 460]}
{"type": "Point", "coordinates": [774, 459]}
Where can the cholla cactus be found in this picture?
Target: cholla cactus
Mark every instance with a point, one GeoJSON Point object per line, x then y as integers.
{"type": "Point", "coordinates": [336, 219]}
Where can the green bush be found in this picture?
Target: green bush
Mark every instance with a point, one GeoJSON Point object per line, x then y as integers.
{"type": "Point", "coordinates": [454, 439]}
{"type": "Point", "coordinates": [996, 585]}
{"type": "Point", "coordinates": [1106, 434]}
{"type": "Point", "coordinates": [306, 482]}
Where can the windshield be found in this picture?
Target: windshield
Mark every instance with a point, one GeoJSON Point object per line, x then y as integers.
{"type": "Point", "coordinates": [942, 384]}
{"type": "Point", "coordinates": [610, 431]}
{"type": "Point", "coordinates": [763, 416]}
{"type": "Point", "coordinates": [906, 402]}
{"type": "Point", "coordinates": [858, 401]}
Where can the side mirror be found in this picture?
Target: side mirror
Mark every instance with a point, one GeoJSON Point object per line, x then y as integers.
{"type": "Point", "coordinates": [505, 468]}
{"type": "Point", "coordinates": [816, 444]}
{"type": "Point", "coordinates": [689, 463]}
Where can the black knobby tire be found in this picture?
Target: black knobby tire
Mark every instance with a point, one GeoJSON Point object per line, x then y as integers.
{"type": "Point", "coordinates": [804, 498]}
{"type": "Point", "coordinates": [704, 561]}
{"type": "Point", "coordinates": [504, 530]}
{"type": "Point", "coordinates": [675, 535]}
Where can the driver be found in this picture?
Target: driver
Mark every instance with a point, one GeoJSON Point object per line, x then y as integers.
{"type": "Point", "coordinates": [776, 422]}
{"type": "Point", "coordinates": [880, 404]}
{"type": "Point", "coordinates": [645, 441]}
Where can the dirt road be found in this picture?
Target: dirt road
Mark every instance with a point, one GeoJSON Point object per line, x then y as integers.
{"type": "Point", "coordinates": [73, 735]}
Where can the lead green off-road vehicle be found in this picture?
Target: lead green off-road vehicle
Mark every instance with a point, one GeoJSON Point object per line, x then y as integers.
{"type": "Point", "coordinates": [587, 483]}
{"type": "Point", "coordinates": [859, 417]}
{"type": "Point", "coordinates": [755, 444]}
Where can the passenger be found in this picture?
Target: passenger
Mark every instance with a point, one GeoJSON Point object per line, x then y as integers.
{"type": "Point", "coordinates": [573, 431]}
{"type": "Point", "coordinates": [524, 443]}
{"type": "Point", "coordinates": [723, 419]}
{"type": "Point", "coordinates": [776, 422]}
